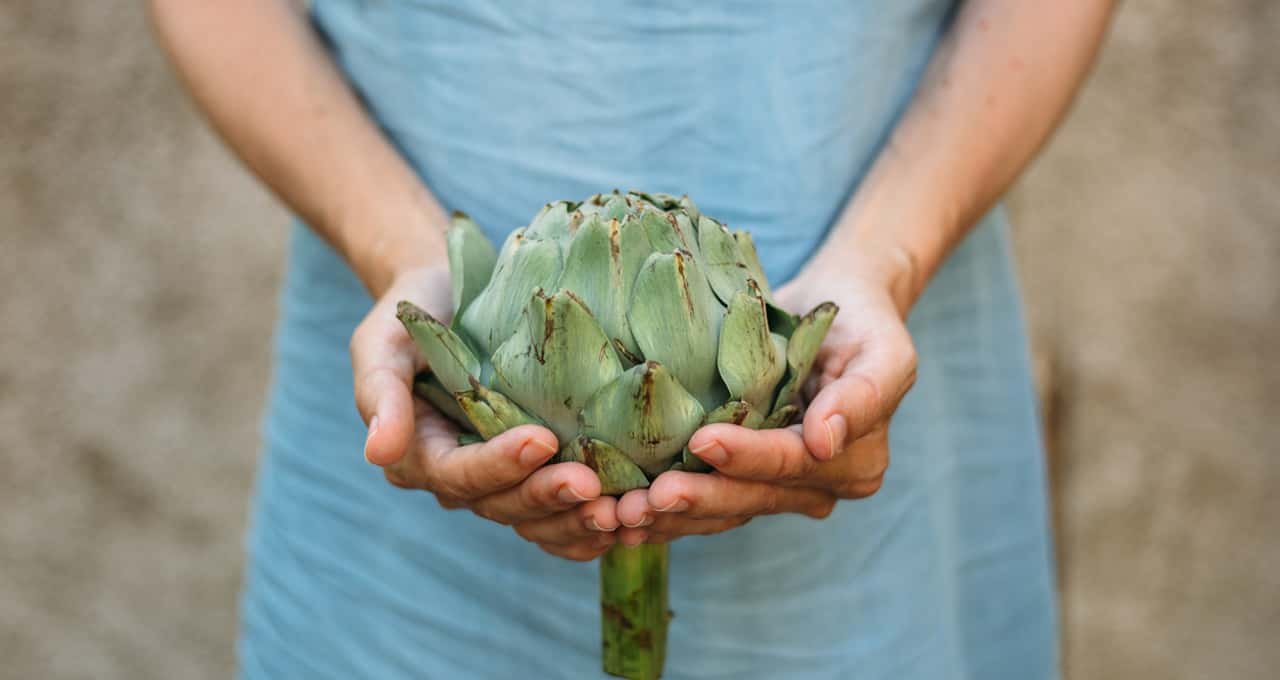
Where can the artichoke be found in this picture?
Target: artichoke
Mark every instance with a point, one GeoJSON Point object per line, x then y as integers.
{"type": "Point", "coordinates": [622, 323]}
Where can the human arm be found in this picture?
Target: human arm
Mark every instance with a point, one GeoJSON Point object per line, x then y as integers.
{"type": "Point", "coordinates": [999, 83]}
{"type": "Point", "coordinates": [257, 70]}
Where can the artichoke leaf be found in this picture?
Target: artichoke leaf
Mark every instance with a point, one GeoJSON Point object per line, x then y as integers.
{"type": "Point", "coordinates": [675, 319]}
{"type": "Point", "coordinates": [646, 414]}
{"type": "Point", "coordinates": [751, 258]}
{"type": "Point", "coordinates": [592, 205]}
{"type": "Point", "coordinates": [726, 269]}
{"type": "Point", "coordinates": [448, 356]}
{"type": "Point", "coordinates": [802, 349]}
{"type": "Point", "coordinates": [738, 413]}
{"type": "Point", "coordinates": [552, 222]}
{"type": "Point", "coordinates": [491, 412]}
{"type": "Point", "coordinates": [471, 261]}
{"type": "Point", "coordinates": [661, 230]}
{"type": "Point", "coordinates": [690, 209]}
{"type": "Point", "coordinates": [751, 359]}
{"type": "Point", "coordinates": [557, 358]}
{"type": "Point", "coordinates": [427, 386]}
{"type": "Point", "coordinates": [469, 438]}
{"type": "Point", "coordinates": [600, 268]}
{"type": "Point", "coordinates": [781, 321]}
{"type": "Point", "coordinates": [524, 265]}
{"type": "Point", "coordinates": [658, 200]}
{"type": "Point", "coordinates": [616, 207]}
{"type": "Point", "coordinates": [617, 473]}
{"type": "Point", "coordinates": [781, 417]}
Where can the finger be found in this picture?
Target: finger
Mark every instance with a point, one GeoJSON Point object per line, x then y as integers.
{"type": "Point", "coordinates": [857, 472]}
{"type": "Point", "coordinates": [672, 526]}
{"type": "Point", "coordinates": [633, 509]}
{"type": "Point", "coordinates": [409, 471]}
{"type": "Point", "coordinates": [763, 455]}
{"type": "Point", "coordinates": [382, 364]}
{"type": "Point", "coordinates": [860, 469]}
{"type": "Point", "coordinates": [584, 551]}
{"type": "Point", "coordinates": [631, 536]}
{"type": "Point", "coordinates": [867, 392]}
{"type": "Point", "coordinates": [715, 496]}
{"type": "Point", "coordinates": [550, 490]}
{"type": "Point", "coordinates": [478, 470]}
{"type": "Point", "coordinates": [588, 520]}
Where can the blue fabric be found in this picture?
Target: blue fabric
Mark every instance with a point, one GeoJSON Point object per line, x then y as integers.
{"type": "Point", "coordinates": [768, 114]}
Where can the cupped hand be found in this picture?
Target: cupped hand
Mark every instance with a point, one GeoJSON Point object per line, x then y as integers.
{"type": "Point", "coordinates": [841, 451]}
{"type": "Point", "coordinates": [504, 479]}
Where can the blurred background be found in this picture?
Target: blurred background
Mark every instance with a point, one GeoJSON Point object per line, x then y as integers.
{"type": "Point", "coordinates": [138, 274]}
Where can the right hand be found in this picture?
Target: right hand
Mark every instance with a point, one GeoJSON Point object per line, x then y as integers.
{"type": "Point", "coordinates": [558, 507]}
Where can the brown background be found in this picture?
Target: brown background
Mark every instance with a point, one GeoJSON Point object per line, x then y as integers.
{"type": "Point", "coordinates": [138, 269]}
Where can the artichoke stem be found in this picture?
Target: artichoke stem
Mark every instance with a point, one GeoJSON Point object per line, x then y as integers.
{"type": "Point", "coordinates": [634, 614]}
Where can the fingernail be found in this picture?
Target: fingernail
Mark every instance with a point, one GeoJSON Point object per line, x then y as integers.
{"type": "Point", "coordinates": [645, 520]}
{"type": "Point", "coordinates": [678, 505]}
{"type": "Point", "coordinates": [711, 452]}
{"type": "Point", "coordinates": [636, 538]}
{"type": "Point", "coordinates": [568, 494]}
{"type": "Point", "coordinates": [535, 452]}
{"type": "Point", "coordinates": [593, 525]}
{"type": "Point", "coordinates": [837, 430]}
{"type": "Point", "coordinates": [373, 428]}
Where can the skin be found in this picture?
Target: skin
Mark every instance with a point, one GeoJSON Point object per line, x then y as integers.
{"type": "Point", "coordinates": [998, 85]}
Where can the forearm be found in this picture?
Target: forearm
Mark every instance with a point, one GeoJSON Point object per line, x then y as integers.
{"type": "Point", "coordinates": [998, 85]}
{"type": "Point", "coordinates": [258, 71]}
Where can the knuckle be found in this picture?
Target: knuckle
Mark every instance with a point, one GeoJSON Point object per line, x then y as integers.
{"type": "Point", "coordinates": [553, 550]}
{"type": "Point", "coordinates": [861, 488]}
{"type": "Point", "coordinates": [448, 503]}
{"type": "Point", "coordinates": [487, 511]}
{"type": "Point", "coordinates": [910, 357]}
{"type": "Point", "coordinates": [580, 553]}
{"type": "Point", "coordinates": [524, 530]}
{"type": "Point", "coordinates": [876, 467]}
{"type": "Point", "coordinates": [823, 508]}
{"type": "Point", "coordinates": [771, 501]}
{"type": "Point", "coordinates": [718, 527]}
{"type": "Point", "coordinates": [357, 338]}
{"type": "Point", "coordinates": [449, 485]}
{"type": "Point", "coordinates": [536, 495]}
{"type": "Point", "coordinates": [396, 477]}
{"type": "Point", "coordinates": [783, 467]}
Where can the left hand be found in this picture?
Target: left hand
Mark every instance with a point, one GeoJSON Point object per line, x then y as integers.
{"type": "Point", "coordinates": [865, 366]}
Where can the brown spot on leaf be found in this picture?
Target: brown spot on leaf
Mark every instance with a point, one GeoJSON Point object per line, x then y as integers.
{"type": "Point", "coordinates": [646, 387]}
{"type": "Point", "coordinates": [684, 283]}
{"type": "Point", "coordinates": [588, 453]}
{"type": "Point", "coordinates": [624, 352]}
{"type": "Point", "coordinates": [615, 245]}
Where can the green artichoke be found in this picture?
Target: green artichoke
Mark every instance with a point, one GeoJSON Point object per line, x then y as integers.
{"type": "Point", "coordinates": [623, 324]}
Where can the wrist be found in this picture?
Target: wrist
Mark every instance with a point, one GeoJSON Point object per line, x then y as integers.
{"type": "Point", "coordinates": [880, 265]}
{"type": "Point", "coordinates": [386, 242]}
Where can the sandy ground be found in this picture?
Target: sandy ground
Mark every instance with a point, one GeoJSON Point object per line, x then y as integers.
{"type": "Point", "coordinates": [138, 270]}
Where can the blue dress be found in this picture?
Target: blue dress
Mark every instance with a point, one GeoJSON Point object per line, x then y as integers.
{"type": "Point", "coordinates": [767, 114]}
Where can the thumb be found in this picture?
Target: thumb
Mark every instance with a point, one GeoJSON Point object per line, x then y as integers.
{"type": "Point", "coordinates": [382, 362]}
{"type": "Point", "coordinates": [866, 393]}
